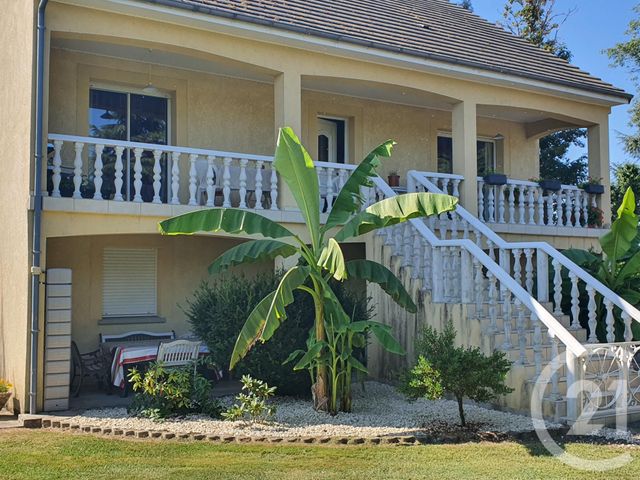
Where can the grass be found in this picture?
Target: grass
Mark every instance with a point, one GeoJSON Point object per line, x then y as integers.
{"type": "Point", "coordinates": [57, 455]}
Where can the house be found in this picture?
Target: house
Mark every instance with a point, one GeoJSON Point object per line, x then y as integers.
{"type": "Point", "coordinates": [137, 110]}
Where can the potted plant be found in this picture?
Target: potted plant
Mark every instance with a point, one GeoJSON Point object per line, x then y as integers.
{"type": "Point", "coordinates": [493, 178]}
{"type": "Point", "coordinates": [595, 217]}
{"type": "Point", "coordinates": [593, 186]}
{"type": "Point", "coordinates": [393, 179]}
{"type": "Point", "coordinates": [549, 184]}
{"type": "Point", "coordinates": [5, 394]}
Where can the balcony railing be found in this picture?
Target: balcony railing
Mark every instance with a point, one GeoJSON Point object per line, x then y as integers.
{"type": "Point", "coordinates": [119, 171]}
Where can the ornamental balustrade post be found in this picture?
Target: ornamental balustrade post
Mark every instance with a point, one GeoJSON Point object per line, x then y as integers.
{"type": "Point", "coordinates": [97, 168]}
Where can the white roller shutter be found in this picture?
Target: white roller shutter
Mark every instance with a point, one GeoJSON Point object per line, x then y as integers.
{"type": "Point", "coordinates": [129, 282]}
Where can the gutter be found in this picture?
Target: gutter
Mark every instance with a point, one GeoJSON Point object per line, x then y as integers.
{"type": "Point", "coordinates": [36, 268]}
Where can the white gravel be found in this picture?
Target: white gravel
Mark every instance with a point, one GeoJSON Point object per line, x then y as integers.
{"type": "Point", "coordinates": [378, 410]}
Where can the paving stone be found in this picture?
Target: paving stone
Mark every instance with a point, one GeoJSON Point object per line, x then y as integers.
{"type": "Point", "coordinates": [168, 435]}
{"type": "Point", "coordinates": [142, 434]}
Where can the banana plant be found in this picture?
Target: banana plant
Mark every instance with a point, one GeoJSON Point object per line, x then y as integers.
{"type": "Point", "coordinates": [320, 254]}
{"type": "Point", "coordinates": [618, 267]}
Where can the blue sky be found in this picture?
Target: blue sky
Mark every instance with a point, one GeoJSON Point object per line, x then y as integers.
{"type": "Point", "coordinates": [593, 26]}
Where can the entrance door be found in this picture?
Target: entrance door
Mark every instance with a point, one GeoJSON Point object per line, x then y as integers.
{"type": "Point", "coordinates": [327, 140]}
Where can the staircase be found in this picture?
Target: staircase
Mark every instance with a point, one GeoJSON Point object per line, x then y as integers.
{"type": "Point", "coordinates": [504, 296]}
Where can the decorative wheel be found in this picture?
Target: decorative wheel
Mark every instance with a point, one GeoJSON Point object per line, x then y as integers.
{"type": "Point", "coordinates": [634, 374]}
{"type": "Point", "coordinates": [603, 379]}
{"type": "Point", "coordinates": [76, 374]}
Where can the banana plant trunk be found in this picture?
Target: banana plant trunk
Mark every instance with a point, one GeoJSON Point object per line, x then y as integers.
{"type": "Point", "coordinates": [319, 388]}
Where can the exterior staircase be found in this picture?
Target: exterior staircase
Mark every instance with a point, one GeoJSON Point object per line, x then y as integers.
{"type": "Point", "coordinates": [498, 297]}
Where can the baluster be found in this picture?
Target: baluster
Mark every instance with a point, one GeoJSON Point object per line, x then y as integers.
{"type": "Point", "coordinates": [550, 208]}
{"type": "Point", "coordinates": [137, 175]}
{"type": "Point", "coordinates": [609, 321]}
{"type": "Point", "coordinates": [540, 200]}
{"type": "Point", "coordinates": [628, 332]}
{"type": "Point", "coordinates": [455, 273]}
{"type": "Point", "coordinates": [431, 222]}
{"type": "Point", "coordinates": [342, 178]}
{"type": "Point", "coordinates": [491, 204]}
{"type": "Point", "coordinates": [528, 271]}
{"type": "Point", "coordinates": [329, 189]}
{"type": "Point", "coordinates": [427, 265]}
{"type": "Point", "coordinates": [211, 191]}
{"type": "Point", "coordinates": [493, 326]}
{"type": "Point", "coordinates": [389, 236]}
{"type": "Point", "coordinates": [557, 287]}
{"type": "Point", "coordinates": [506, 316]}
{"type": "Point", "coordinates": [57, 163]}
{"type": "Point", "coordinates": [512, 204]}
{"type": "Point", "coordinates": [492, 254]}
{"type": "Point", "coordinates": [442, 218]}
{"type": "Point", "coordinates": [501, 204]}
{"type": "Point", "coordinates": [555, 366]}
{"type": "Point", "coordinates": [585, 209]}
{"type": "Point", "coordinates": [175, 178]}
{"type": "Point", "coordinates": [465, 229]}
{"type": "Point", "coordinates": [454, 224]}
{"type": "Point", "coordinates": [522, 341]}
{"type": "Point", "coordinates": [97, 169]}
{"type": "Point", "coordinates": [417, 254]}
{"type": "Point", "coordinates": [478, 237]}
{"type": "Point", "coordinates": [456, 185]}
{"type": "Point", "coordinates": [532, 207]}
{"type": "Point", "coordinates": [446, 271]}
{"type": "Point", "coordinates": [193, 158]}
{"type": "Point", "coordinates": [321, 176]}
{"type": "Point", "coordinates": [243, 183]}
{"type": "Point", "coordinates": [481, 200]}
{"type": "Point", "coordinates": [575, 301]}
{"type": "Point", "coordinates": [258, 190]}
{"type": "Point", "coordinates": [517, 267]}
{"type": "Point", "coordinates": [591, 309]}
{"type": "Point", "coordinates": [397, 244]}
{"type": "Point", "coordinates": [521, 202]}
{"type": "Point", "coordinates": [408, 244]}
{"type": "Point", "coordinates": [537, 343]}
{"type": "Point", "coordinates": [274, 188]}
{"type": "Point", "coordinates": [567, 209]}
{"type": "Point", "coordinates": [226, 183]}
{"type": "Point", "coordinates": [478, 287]}
{"type": "Point", "coordinates": [77, 170]}
{"type": "Point", "coordinates": [445, 185]}
{"type": "Point", "coordinates": [157, 170]}
{"type": "Point", "coordinates": [577, 208]}
{"type": "Point", "coordinates": [118, 175]}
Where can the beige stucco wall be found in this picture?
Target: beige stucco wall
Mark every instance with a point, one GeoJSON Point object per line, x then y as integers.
{"type": "Point", "coordinates": [181, 265]}
{"type": "Point", "coordinates": [16, 77]}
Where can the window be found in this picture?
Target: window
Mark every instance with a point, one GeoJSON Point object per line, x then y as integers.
{"type": "Point", "coordinates": [486, 155]}
{"type": "Point", "coordinates": [134, 117]}
{"type": "Point", "coordinates": [332, 140]}
{"type": "Point", "coordinates": [129, 282]}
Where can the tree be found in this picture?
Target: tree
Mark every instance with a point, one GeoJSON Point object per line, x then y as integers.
{"type": "Point", "coordinates": [626, 175]}
{"type": "Point", "coordinates": [537, 22]}
{"type": "Point", "coordinates": [466, 4]}
{"type": "Point", "coordinates": [320, 255]}
{"type": "Point", "coordinates": [627, 54]}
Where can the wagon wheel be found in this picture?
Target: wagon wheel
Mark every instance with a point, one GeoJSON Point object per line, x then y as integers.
{"type": "Point", "coordinates": [603, 373]}
{"type": "Point", "coordinates": [634, 374]}
{"type": "Point", "coordinates": [76, 374]}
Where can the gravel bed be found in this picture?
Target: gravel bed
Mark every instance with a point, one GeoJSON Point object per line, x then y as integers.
{"type": "Point", "coordinates": [378, 410]}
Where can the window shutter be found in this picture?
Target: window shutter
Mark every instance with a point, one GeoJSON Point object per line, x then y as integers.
{"type": "Point", "coordinates": [129, 282]}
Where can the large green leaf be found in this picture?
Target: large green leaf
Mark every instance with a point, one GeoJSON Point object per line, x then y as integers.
{"type": "Point", "coordinates": [310, 356]}
{"type": "Point", "coordinates": [229, 220]}
{"type": "Point", "coordinates": [582, 258]}
{"type": "Point", "coordinates": [623, 230]}
{"type": "Point", "coordinates": [251, 252]}
{"type": "Point", "coordinates": [374, 272]}
{"type": "Point", "coordinates": [295, 167]}
{"type": "Point", "coordinates": [394, 210]}
{"type": "Point", "coordinates": [350, 198]}
{"type": "Point", "coordinates": [383, 333]}
{"type": "Point", "coordinates": [269, 314]}
{"type": "Point", "coordinates": [331, 259]}
{"type": "Point", "coordinates": [631, 267]}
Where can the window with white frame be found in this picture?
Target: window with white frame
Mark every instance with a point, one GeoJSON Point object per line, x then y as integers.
{"type": "Point", "coordinates": [486, 154]}
{"type": "Point", "coordinates": [129, 287]}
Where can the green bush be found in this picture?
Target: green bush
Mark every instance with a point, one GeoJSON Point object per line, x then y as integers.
{"type": "Point", "coordinates": [252, 402]}
{"type": "Point", "coordinates": [167, 392]}
{"type": "Point", "coordinates": [462, 372]}
{"type": "Point", "coordinates": [217, 312]}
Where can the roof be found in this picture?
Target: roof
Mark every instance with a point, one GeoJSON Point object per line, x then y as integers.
{"type": "Point", "coordinates": [432, 29]}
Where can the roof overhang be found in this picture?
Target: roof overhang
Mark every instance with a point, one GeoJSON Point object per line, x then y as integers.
{"type": "Point", "coordinates": [210, 19]}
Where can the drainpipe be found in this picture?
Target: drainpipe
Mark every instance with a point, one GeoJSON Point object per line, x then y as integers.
{"type": "Point", "coordinates": [36, 269]}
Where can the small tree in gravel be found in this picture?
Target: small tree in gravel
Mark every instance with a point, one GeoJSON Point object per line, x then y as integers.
{"type": "Point", "coordinates": [462, 372]}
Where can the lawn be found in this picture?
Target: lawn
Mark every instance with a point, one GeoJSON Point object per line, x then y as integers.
{"type": "Point", "coordinates": [58, 455]}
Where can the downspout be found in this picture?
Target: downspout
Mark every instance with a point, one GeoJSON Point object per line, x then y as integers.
{"type": "Point", "coordinates": [36, 269]}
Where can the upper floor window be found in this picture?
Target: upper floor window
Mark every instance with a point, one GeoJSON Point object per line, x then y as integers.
{"type": "Point", "coordinates": [486, 154]}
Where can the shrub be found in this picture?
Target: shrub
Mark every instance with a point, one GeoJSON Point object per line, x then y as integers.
{"type": "Point", "coordinates": [422, 381]}
{"type": "Point", "coordinates": [5, 386]}
{"type": "Point", "coordinates": [462, 372]}
{"type": "Point", "coordinates": [252, 404]}
{"type": "Point", "coordinates": [218, 311]}
{"type": "Point", "coordinates": [165, 392]}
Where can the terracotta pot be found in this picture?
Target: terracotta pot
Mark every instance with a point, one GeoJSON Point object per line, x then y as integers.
{"type": "Point", "coordinates": [4, 398]}
{"type": "Point", "coordinates": [394, 180]}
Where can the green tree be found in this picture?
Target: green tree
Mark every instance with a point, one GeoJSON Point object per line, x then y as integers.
{"type": "Point", "coordinates": [320, 255]}
{"type": "Point", "coordinates": [537, 22]}
{"type": "Point", "coordinates": [627, 54]}
{"type": "Point", "coordinates": [626, 175]}
{"type": "Point", "coordinates": [466, 4]}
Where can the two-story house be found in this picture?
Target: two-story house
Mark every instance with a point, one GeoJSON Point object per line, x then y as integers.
{"type": "Point", "coordinates": [137, 110]}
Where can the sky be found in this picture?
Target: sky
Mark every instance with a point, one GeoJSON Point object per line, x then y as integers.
{"type": "Point", "coordinates": [593, 26]}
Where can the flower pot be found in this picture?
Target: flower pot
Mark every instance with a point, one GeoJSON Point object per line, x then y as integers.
{"type": "Point", "coordinates": [593, 188]}
{"type": "Point", "coordinates": [394, 180]}
{"type": "Point", "coordinates": [4, 398]}
{"type": "Point", "coordinates": [495, 179]}
{"type": "Point", "coordinates": [550, 185]}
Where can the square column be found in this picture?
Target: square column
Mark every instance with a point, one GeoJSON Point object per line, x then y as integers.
{"type": "Point", "coordinates": [287, 97]}
{"type": "Point", "coordinates": [598, 145]}
{"type": "Point", "coordinates": [465, 153]}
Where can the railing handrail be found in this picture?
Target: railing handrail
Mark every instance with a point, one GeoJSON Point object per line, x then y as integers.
{"type": "Point", "coordinates": [526, 183]}
{"type": "Point", "coordinates": [499, 242]}
{"type": "Point", "coordinates": [500, 274]}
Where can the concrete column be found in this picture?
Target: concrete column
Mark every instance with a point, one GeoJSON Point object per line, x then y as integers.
{"type": "Point", "coordinates": [465, 153]}
{"type": "Point", "coordinates": [598, 143]}
{"type": "Point", "coordinates": [288, 113]}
